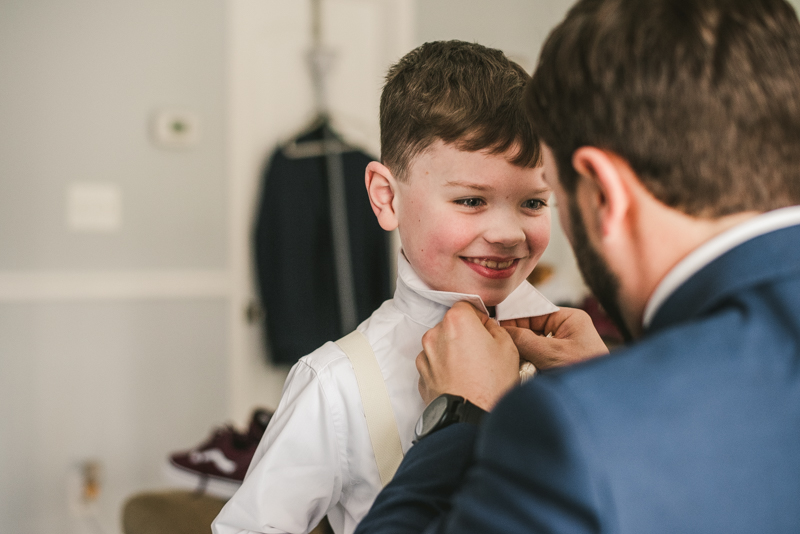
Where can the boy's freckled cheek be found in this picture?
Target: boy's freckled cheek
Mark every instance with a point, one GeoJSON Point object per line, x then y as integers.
{"type": "Point", "coordinates": [539, 238]}
{"type": "Point", "coordinates": [450, 240]}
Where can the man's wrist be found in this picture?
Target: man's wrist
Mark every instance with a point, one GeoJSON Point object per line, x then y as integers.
{"type": "Point", "coordinates": [470, 413]}
{"type": "Point", "coordinates": [444, 411]}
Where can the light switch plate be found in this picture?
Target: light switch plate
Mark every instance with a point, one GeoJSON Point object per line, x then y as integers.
{"type": "Point", "coordinates": [94, 207]}
{"type": "Point", "coordinates": [175, 129]}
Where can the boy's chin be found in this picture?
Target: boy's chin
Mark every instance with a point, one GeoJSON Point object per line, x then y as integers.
{"type": "Point", "coordinates": [494, 298]}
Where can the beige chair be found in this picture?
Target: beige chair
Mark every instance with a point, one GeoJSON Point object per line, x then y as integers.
{"type": "Point", "coordinates": [170, 512]}
{"type": "Point", "coordinates": [177, 512]}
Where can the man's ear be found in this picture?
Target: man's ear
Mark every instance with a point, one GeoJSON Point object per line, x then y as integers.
{"type": "Point", "coordinates": [382, 191]}
{"type": "Point", "coordinates": [603, 190]}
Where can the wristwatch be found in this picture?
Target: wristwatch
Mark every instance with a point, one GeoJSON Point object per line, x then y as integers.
{"type": "Point", "coordinates": [445, 410]}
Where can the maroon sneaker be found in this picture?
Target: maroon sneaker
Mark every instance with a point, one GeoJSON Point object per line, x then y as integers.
{"type": "Point", "coordinates": [218, 465]}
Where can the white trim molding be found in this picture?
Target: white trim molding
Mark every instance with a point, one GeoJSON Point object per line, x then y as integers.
{"type": "Point", "coordinates": [32, 286]}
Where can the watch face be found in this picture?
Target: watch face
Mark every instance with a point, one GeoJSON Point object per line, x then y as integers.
{"type": "Point", "coordinates": [431, 416]}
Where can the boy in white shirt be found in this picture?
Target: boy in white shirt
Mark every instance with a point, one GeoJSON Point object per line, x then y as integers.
{"type": "Point", "coordinates": [461, 180]}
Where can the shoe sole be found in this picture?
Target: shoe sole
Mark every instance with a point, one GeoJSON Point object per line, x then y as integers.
{"type": "Point", "coordinates": [208, 484]}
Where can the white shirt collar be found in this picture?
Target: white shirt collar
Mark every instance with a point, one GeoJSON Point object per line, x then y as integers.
{"type": "Point", "coordinates": [428, 306]}
{"type": "Point", "coordinates": [713, 249]}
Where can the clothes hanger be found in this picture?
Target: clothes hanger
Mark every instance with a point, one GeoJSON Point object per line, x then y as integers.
{"type": "Point", "coordinates": [320, 61]}
{"type": "Point", "coordinates": [330, 143]}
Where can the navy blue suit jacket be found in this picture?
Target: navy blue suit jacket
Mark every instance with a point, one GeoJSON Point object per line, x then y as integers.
{"type": "Point", "coordinates": [695, 428]}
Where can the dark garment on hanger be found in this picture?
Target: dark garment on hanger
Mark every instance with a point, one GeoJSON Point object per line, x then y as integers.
{"type": "Point", "coordinates": [294, 251]}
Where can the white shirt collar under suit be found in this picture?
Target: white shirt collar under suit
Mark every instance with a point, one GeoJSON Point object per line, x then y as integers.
{"type": "Point", "coordinates": [713, 249]}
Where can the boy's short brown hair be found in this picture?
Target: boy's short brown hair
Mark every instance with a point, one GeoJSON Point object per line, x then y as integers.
{"type": "Point", "coordinates": [700, 97]}
{"type": "Point", "coordinates": [463, 93]}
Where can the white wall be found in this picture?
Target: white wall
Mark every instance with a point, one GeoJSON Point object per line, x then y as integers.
{"type": "Point", "coordinates": [113, 346]}
{"type": "Point", "coordinates": [518, 27]}
{"type": "Point", "coordinates": [122, 383]}
{"type": "Point", "coordinates": [81, 79]}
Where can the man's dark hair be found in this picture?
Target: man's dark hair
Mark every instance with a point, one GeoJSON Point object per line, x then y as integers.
{"type": "Point", "coordinates": [701, 97]}
{"type": "Point", "coordinates": [465, 94]}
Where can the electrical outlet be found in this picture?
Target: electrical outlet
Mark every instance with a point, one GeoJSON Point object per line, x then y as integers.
{"type": "Point", "coordinates": [83, 487]}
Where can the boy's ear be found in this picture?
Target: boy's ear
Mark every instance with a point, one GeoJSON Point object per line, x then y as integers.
{"type": "Point", "coordinates": [382, 191]}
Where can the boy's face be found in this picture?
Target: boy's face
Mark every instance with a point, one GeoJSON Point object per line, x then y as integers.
{"type": "Point", "coordinates": [472, 222]}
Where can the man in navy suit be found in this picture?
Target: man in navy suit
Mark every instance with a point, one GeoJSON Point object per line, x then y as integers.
{"type": "Point", "coordinates": [671, 138]}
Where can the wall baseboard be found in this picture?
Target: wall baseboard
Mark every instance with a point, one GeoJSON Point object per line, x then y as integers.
{"type": "Point", "coordinates": [112, 285]}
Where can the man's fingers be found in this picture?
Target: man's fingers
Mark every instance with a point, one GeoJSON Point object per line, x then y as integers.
{"type": "Point", "coordinates": [423, 365]}
{"type": "Point", "coordinates": [534, 348]}
{"type": "Point", "coordinates": [562, 324]}
{"type": "Point", "coordinates": [520, 336]}
{"type": "Point", "coordinates": [537, 324]}
{"type": "Point", "coordinates": [424, 392]}
{"type": "Point", "coordinates": [464, 311]}
{"type": "Point", "coordinates": [496, 331]}
{"type": "Point", "coordinates": [574, 340]}
{"type": "Point", "coordinates": [424, 369]}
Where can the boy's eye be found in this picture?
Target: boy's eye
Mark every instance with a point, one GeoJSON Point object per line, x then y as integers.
{"type": "Point", "coordinates": [534, 204]}
{"type": "Point", "coordinates": [470, 202]}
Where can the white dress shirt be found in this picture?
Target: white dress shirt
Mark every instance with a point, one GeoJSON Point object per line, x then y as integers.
{"type": "Point", "coordinates": [316, 458]}
{"type": "Point", "coordinates": [713, 249]}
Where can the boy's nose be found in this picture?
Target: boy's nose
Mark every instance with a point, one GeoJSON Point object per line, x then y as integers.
{"type": "Point", "coordinates": [506, 233]}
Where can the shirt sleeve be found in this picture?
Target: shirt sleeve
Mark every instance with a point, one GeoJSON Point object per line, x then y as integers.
{"type": "Point", "coordinates": [529, 470]}
{"type": "Point", "coordinates": [295, 475]}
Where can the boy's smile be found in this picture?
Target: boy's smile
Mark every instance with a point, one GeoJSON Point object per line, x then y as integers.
{"type": "Point", "coordinates": [470, 222]}
{"type": "Point", "coordinates": [494, 267]}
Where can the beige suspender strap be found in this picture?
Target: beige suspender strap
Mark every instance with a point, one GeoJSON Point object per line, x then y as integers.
{"type": "Point", "coordinates": [375, 398]}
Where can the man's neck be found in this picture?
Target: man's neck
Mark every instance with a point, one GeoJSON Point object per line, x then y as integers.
{"type": "Point", "coordinates": [714, 248]}
{"type": "Point", "coordinates": [662, 238]}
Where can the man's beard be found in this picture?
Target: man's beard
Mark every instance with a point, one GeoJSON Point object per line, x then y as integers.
{"type": "Point", "coordinates": [603, 283]}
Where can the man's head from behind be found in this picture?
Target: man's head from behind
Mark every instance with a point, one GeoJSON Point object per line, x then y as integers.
{"type": "Point", "coordinates": [460, 174]}
{"type": "Point", "coordinates": [701, 99]}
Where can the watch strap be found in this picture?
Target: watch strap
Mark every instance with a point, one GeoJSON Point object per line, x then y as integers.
{"type": "Point", "coordinates": [459, 410]}
{"type": "Point", "coordinates": [467, 412]}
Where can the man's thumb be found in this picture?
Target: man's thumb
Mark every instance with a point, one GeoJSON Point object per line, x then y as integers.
{"type": "Point", "coordinates": [531, 346]}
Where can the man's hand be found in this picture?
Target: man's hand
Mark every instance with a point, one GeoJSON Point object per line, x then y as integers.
{"type": "Point", "coordinates": [470, 355]}
{"type": "Point", "coordinates": [574, 338]}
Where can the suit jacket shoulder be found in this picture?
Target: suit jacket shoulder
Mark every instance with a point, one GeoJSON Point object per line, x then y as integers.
{"type": "Point", "coordinates": [696, 426]}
